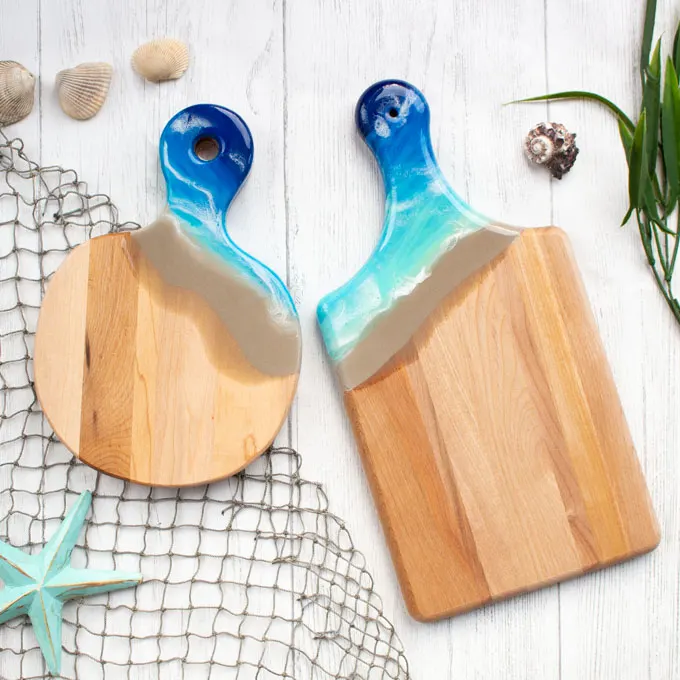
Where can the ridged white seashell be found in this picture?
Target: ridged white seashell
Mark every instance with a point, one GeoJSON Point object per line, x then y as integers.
{"type": "Point", "coordinates": [163, 59]}
{"type": "Point", "coordinates": [83, 89]}
{"type": "Point", "coordinates": [17, 89]}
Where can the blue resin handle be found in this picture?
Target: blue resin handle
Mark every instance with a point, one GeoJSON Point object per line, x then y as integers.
{"type": "Point", "coordinates": [393, 118]}
{"type": "Point", "coordinates": [200, 191]}
{"type": "Point", "coordinates": [424, 218]}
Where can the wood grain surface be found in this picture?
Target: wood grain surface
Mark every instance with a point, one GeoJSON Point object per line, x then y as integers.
{"type": "Point", "coordinates": [495, 442]}
{"type": "Point", "coordinates": [319, 202]}
{"type": "Point", "coordinates": [142, 380]}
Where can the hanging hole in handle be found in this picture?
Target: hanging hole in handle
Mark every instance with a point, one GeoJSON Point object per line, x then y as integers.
{"type": "Point", "coordinates": [393, 113]}
{"type": "Point", "coordinates": [207, 148]}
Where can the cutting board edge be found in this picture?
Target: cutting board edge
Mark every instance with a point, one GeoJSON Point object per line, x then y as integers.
{"type": "Point", "coordinates": [426, 617]}
{"type": "Point", "coordinates": [176, 485]}
{"type": "Point", "coordinates": [180, 485]}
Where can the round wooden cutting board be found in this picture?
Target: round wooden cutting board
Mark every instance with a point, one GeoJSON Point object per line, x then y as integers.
{"type": "Point", "coordinates": [168, 356]}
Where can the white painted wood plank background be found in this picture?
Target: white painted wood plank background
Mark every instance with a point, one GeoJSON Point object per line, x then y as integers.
{"type": "Point", "coordinates": [312, 210]}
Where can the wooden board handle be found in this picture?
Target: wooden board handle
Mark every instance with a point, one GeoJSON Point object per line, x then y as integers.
{"type": "Point", "coordinates": [169, 355]}
{"type": "Point", "coordinates": [479, 392]}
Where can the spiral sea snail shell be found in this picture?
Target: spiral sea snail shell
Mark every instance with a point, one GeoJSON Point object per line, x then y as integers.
{"type": "Point", "coordinates": [552, 145]}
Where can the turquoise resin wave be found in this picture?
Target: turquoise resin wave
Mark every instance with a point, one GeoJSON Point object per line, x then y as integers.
{"type": "Point", "coordinates": [200, 192]}
{"type": "Point", "coordinates": [424, 217]}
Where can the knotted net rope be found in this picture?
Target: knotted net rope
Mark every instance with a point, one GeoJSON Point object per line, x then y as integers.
{"type": "Point", "coordinates": [251, 577]}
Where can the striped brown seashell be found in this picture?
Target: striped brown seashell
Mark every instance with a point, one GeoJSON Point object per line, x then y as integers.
{"type": "Point", "coordinates": [162, 59]}
{"type": "Point", "coordinates": [83, 89]}
{"type": "Point", "coordinates": [17, 92]}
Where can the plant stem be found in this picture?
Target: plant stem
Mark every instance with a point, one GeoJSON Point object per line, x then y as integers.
{"type": "Point", "coordinates": [675, 245]}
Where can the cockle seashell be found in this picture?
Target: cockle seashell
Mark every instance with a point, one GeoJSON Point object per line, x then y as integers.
{"type": "Point", "coordinates": [83, 89]}
{"type": "Point", "coordinates": [163, 59]}
{"type": "Point", "coordinates": [17, 90]}
{"type": "Point", "coordinates": [552, 145]}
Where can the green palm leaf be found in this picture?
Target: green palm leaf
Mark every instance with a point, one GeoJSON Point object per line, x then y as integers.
{"type": "Point", "coordinates": [581, 94]}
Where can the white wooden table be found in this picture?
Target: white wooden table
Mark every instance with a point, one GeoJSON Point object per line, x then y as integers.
{"type": "Point", "coordinates": [313, 207]}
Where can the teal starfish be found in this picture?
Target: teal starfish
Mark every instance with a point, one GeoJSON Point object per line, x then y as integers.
{"type": "Point", "coordinates": [38, 585]}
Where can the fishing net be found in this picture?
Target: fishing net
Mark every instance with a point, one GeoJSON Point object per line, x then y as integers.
{"type": "Point", "coordinates": [251, 577]}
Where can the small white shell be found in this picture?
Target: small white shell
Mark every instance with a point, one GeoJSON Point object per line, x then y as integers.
{"type": "Point", "coordinates": [83, 89]}
{"type": "Point", "coordinates": [163, 59]}
{"type": "Point", "coordinates": [17, 90]}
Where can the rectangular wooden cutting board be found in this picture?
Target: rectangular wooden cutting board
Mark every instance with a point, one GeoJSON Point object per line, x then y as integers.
{"type": "Point", "coordinates": [495, 442]}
